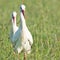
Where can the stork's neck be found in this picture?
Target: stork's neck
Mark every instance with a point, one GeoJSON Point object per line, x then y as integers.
{"type": "Point", "coordinates": [14, 25]}
{"type": "Point", "coordinates": [22, 20]}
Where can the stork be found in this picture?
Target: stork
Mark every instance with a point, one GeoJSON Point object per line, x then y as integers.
{"type": "Point", "coordinates": [14, 27]}
{"type": "Point", "coordinates": [22, 36]}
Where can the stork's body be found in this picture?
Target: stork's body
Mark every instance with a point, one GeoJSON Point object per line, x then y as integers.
{"type": "Point", "coordinates": [22, 36]}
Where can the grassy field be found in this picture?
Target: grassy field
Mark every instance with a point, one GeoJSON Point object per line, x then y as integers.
{"type": "Point", "coordinates": [42, 19]}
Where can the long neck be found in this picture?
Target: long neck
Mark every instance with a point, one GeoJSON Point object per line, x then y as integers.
{"type": "Point", "coordinates": [14, 25]}
{"type": "Point", "coordinates": [22, 20]}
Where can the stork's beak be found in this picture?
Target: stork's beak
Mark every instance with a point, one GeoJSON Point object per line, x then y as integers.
{"type": "Point", "coordinates": [13, 18]}
{"type": "Point", "coordinates": [23, 12]}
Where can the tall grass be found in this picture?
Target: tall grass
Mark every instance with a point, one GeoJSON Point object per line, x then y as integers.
{"type": "Point", "coordinates": [42, 19]}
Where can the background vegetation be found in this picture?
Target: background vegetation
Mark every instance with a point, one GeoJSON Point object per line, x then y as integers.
{"type": "Point", "coordinates": [42, 19]}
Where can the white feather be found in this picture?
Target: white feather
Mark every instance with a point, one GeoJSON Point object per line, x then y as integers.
{"type": "Point", "coordinates": [22, 36]}
{"type": "Point", "coordinates": [14, 28]}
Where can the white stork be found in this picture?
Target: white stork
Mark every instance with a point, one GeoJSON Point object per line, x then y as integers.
{"type": "Point", "coordinates": [23, 37]}
{"type": "Point", "coordinates": [14, 28]}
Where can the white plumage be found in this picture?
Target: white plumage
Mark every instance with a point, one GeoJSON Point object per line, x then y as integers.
{"type": "Point", "coordinates": [22, 36]}
{"type": "Point", "coordinates": [14, 27]}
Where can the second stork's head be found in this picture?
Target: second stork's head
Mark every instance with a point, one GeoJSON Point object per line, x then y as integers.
{"type": "Point", "coordinates": [14, 17]}
{"type": "Point", "coordinates": [22, 9]}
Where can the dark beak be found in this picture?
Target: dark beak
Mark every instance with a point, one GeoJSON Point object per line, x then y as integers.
{"type": "Point", "coordinates": [23, 12]}
{"type": "Point", "coordinates": [13, 18]}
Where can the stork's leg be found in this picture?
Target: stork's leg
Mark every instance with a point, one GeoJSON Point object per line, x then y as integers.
{"type": "Point", "coordinates": [25, 56]}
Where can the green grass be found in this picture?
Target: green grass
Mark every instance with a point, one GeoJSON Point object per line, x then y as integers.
{"type": "Point", "coordinates": [42, 19]}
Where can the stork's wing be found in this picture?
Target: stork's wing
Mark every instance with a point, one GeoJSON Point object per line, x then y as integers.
{"type": "Point", "coordinates": [29, 37]}
{"type": "Point", "coordinates": [16, 35]}
{"type": "Point", "coordinates": [12, 35]}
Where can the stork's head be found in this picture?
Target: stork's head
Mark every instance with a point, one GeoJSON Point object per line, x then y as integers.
{"type": "Point", "coordinates": [14, 16]}
{"type": "Point", "coordinates": [22, 8]}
